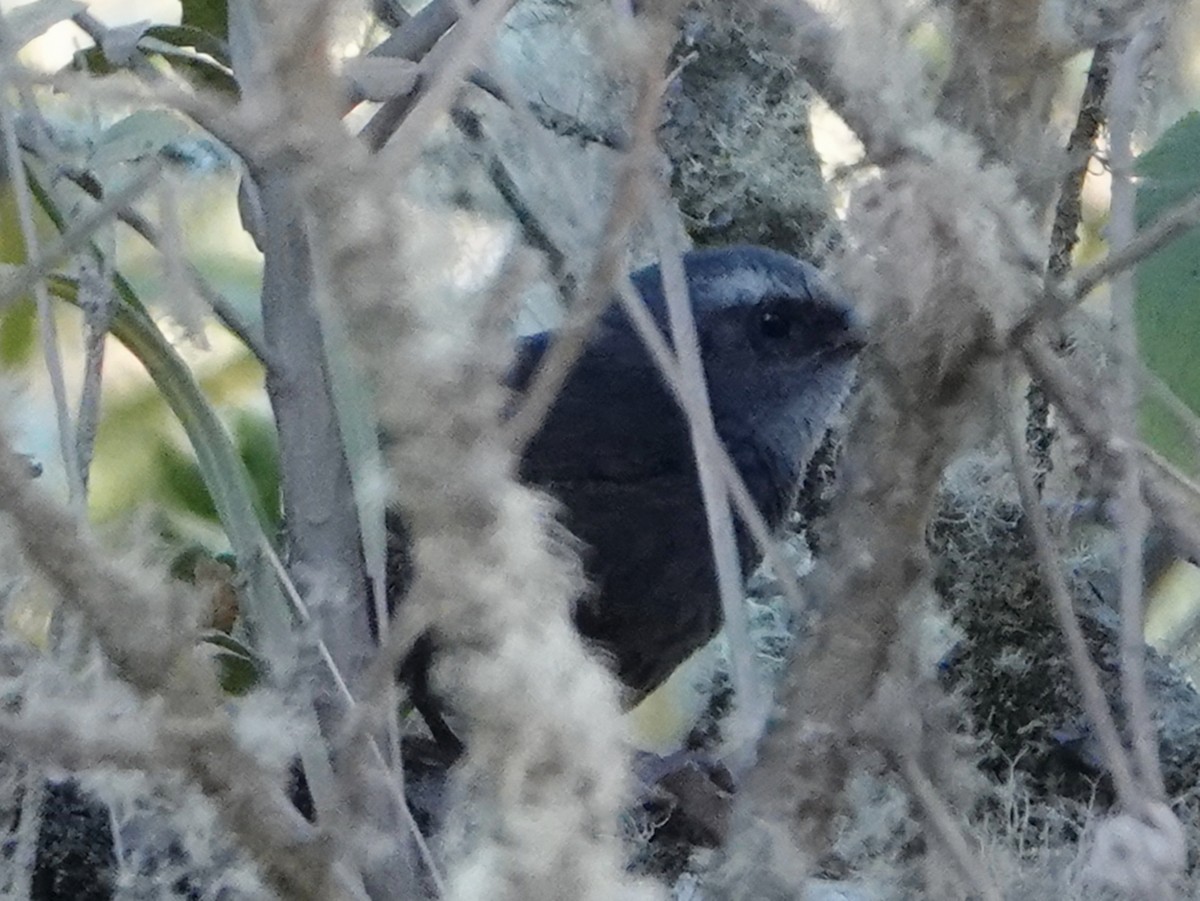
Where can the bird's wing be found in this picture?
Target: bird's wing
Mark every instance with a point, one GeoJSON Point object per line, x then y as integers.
{"type": "Point", "coordinates": [613, 421]}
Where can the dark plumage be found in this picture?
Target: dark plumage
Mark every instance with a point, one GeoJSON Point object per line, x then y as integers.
{"type": "Point", "coordinates": [778, 346]}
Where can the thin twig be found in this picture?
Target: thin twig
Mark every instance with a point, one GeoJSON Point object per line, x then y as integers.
{"type": "Point", "coordinates": [1154, 385]}
{"type": "Point", "coordinates": [596, 292]}
{"type": "Point", "coordinates": [96, 300]}
{"type": "Point", "coordinates": [536, 233]}
{"type": "Point", "coordinates": [559, 123]}
{"type": "Point", "coordinates": [1165, 229]}
{"type": "Point", "coordinates": [1064, 235]}
{"type": "Point", "coordinates": [1061, 297]}
{"type": "Point", "coordinates": [1159, 474]}
{"type": "Point", "coordinates": [1068, 213]}
{"type": "Point", "coordinates": [29, 277]}
{"type": "Point", "coordinates": [751, 708]}
{"type": "Point", "coordinates": [98, 32]}
{"type": "Point", "coordinates": [416, 37]}
{"type": "Point", "coordinates": [1131, 514]}
{"type": "Point", "coordinates": [1090, 419]}
{"type": "Point", "coordinates": [394, 775]}
{"type": "Point", "coordinates": [412, 41]}
{"type": "Point", "coordinates": [95, 297]}
{"type": "Point", "coordinates": [1094, 701]}
{"type": "Point", "coordinates": [941, 818]}
{"type": "Point", "coordinates": [1171, 472]}
{"type": "Point", "coordinates": [743, 503]}
{"type": "Point", "coordinates": [437, 93]}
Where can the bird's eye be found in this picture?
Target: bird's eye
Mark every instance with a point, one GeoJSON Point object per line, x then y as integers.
{"type": "Point", "coordinates": [774, 324]}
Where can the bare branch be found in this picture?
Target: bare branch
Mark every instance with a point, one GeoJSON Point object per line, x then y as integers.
{"type": "Point", "coordinates": [469, 40]}
{"type": "Point", "coordinates": [97, 302]}
{"type": "Point", "coordinates": [30, 277]}
{"type": "Point", "coordinates": [1080, 146]}
{"type": "Point", "coordinates": [1165, 229]}
{"type": "Point", "coordinates": [939, 815]}
{"type": "Point", "coordinates": [1094, 702]}
{"type": "Point", "coordinates": [1131, 513]}
{"type": "Point", "coordinates": [751, 710]}
{"type": "Point", "coordinates": [595, 293]}
{"type": "Point", "coordinates": [1064, 234]}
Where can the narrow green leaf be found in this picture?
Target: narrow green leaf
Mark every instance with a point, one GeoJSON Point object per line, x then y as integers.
{"type": "Point", "coordinates": [1168, 286]}
{"type": "Point", "coordinates": [258, 446]}
{"type": "Point", "coordinates": [199, 39]}
{"type": "Point", "coordinates": [359, 429]}
{"type": "Point", "coordinates": [182, 485]}
{"type": "Point", "coordinates": [17, 334]}
{"type": "Point", "coordinates": [207, 15]}
{"type": "Point", "coordinates": [239, 670]}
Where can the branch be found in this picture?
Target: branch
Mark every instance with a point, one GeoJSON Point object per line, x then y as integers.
{"type": "Point", "coordinates": [1080, 146]}
{"type": "Point", "coordinates": [1094, 701]}
{"type": "Point", "coordinates": [1132, 517]}
{"type": "Point", "coordinates": [1064, 235]}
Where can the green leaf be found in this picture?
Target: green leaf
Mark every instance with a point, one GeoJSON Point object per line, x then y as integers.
{"type": "Point", "coordinates": [198, 39]}
{"type": "Point", "coordinates": [93, 61]}
{"type": "Point", "coordinates": [239, 669]}
{"type": "Point", "coordinates": [1168, 287]}
{"type": "Point", "coordinates": [17, 331]}
{"type": "Point", "coordinates": [181, 485]}
{"type": "Point", "coordinates": [202, 73]}
{"type": "Point", "coordinates": [196, 55]}
{"type": "Point", "coordinates": [207, 15]}
{"type": "Point", "coordinates": [258, 446]}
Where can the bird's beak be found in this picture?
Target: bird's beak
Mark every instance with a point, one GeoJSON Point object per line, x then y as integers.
{"type": "Point", "coordinates": [852, 339]}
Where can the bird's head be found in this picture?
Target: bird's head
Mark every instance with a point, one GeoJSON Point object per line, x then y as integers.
{"type": "Point", "coordinates": [778, 342]}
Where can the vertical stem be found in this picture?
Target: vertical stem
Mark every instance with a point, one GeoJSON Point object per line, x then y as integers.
{"type": "Point", "coordinates": [1039, 434]}
{"type": "Point", "coordinates": [47, 327]}
{"type": "Point", "coordinates": [1131, 514]}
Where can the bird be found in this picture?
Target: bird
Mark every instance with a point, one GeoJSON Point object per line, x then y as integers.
{"type": "Point", "coordinates": [778, 344]}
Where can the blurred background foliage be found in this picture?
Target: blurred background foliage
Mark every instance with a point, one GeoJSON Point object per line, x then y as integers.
{"type": "Point", "coordinates": [142, 457]}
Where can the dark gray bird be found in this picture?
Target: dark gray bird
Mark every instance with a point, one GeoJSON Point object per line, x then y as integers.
{"type": "Point", "coordinates": [778, 346]}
